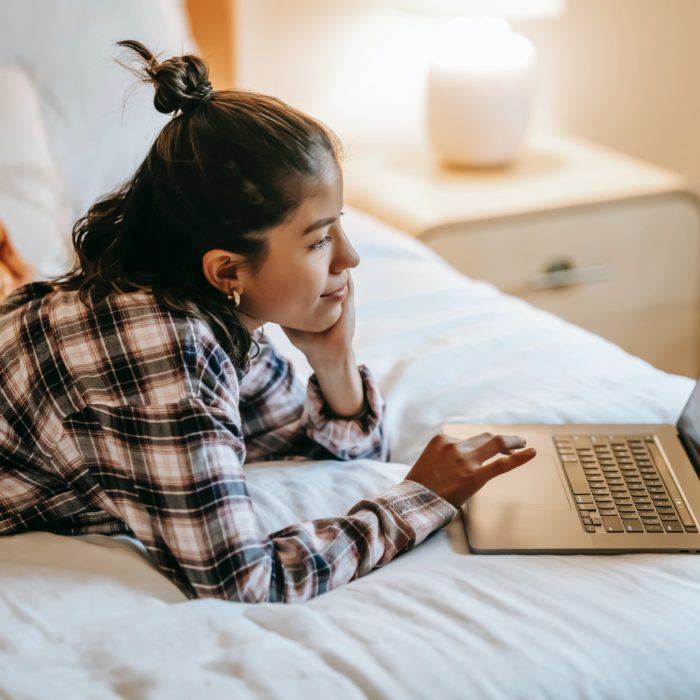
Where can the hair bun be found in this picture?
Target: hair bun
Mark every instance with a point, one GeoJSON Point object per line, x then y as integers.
{"type": "Point", "coordinates": [181, 82]}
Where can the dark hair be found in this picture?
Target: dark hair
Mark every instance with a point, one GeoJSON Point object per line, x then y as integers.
{"type": "Point", "coordinates": [229, 165]}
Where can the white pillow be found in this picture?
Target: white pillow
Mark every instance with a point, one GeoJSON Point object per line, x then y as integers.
{"type": "Point", "coordinates": [97, 138]}
{"type": "Point", "coordinates": [33, 204]}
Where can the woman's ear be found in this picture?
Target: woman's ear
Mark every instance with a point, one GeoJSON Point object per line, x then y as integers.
{"type": "Point", "coordinates": [222, 270]}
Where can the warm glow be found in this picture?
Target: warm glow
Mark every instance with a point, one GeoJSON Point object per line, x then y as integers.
{"type": "Point", "coordinates": [479, 92]}
{"type": "Point", "coordinates": [508, 9]}
{"type": "Point", "coordinates": [481, 43]}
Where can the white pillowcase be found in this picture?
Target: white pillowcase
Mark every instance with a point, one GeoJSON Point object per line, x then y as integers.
{"type": "Point", "coordinates": [33, 204]}
{"type": "Point", "coordinates": [98, 136]}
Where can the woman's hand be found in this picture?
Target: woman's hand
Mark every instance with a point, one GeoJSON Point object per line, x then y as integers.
{"type": "Point", "coordinates": [331, 356]}
{"type": "Point", "coordinates": [330, 347]}
{"type": "Point", "coordinates": [454, 469]}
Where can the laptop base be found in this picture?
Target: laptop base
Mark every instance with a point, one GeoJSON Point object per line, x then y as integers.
{"type": "Point", "coordinates": [534, 509]}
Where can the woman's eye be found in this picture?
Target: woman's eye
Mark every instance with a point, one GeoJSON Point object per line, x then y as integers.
{"type": "Point", "coordinates": [323, 242]}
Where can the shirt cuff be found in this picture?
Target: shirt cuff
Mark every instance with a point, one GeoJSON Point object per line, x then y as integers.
{"type": "Point", "coordinates": [352, 437]}
{"type": "Point", "coordinates": [373, 403]}
{"type": "Point", "coordinates": [421, 510]}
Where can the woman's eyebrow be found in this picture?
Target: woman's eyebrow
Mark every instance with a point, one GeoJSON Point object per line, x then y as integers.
{"type": "Point", "coordinates": [319, 224]}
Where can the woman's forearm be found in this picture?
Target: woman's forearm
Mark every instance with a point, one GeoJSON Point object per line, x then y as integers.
{"type": "Point", "coordinates": [342, 388]}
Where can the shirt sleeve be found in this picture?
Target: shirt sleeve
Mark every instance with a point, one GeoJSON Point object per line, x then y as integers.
{"type": "Point", "coordinates": [173, 473]}
{"type": "Point", "coordinates": [282, 418]}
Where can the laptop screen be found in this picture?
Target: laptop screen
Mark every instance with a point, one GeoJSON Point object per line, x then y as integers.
{"type": "Point", "coordinates": [689, 427]}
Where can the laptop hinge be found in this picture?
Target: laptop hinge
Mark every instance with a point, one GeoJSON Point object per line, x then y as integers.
{"type": "Point", "coordinates": [691, 451]}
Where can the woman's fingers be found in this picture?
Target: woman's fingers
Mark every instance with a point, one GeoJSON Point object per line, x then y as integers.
{"type": "Point", "coordinates": [505, 464]}
{"type": "Point", "coordinates": [473, 442]}
{"type": "Point", "coordinates": [455, 469]}
{"type": "Point", "coordinates": [497, 444]}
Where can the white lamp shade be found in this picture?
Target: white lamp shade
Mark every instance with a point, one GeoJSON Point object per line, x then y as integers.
{"type": "Point", "coordinates": [512, 10]}
{"type": "Point", "coordinates": [479, 92]}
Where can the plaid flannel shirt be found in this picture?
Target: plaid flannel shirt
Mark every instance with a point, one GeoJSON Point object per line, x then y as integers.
{"type": "Point", "coordinates": [122, 417]}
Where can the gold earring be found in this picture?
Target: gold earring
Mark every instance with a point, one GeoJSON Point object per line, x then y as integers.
{"type": "Point", "coordinates": [236, 297]}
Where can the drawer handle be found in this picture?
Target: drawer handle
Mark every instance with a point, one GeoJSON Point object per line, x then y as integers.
{"type": "Point", "coordinates": [562, 273]}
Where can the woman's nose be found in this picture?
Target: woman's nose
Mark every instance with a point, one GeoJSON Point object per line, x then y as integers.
{"type": "Point", "coordinates": [345, 255]}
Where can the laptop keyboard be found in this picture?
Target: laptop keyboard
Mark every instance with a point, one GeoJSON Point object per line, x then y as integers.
{"type": "Point", "coordinates": [621, 484]}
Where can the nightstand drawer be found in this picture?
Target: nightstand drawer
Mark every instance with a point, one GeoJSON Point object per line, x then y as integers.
{"type": "Point", "coordinates": [628, 270]}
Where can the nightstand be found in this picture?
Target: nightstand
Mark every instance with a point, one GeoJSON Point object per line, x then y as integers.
{"type": "Point", "coordinates": [604, 240]}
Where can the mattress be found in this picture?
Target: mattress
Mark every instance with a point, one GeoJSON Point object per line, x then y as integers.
{"type": "Point", "coordinates": [91, 617]}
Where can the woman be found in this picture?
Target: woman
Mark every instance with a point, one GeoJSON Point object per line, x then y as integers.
{"type": "Point", "coordinates": [133, 388]}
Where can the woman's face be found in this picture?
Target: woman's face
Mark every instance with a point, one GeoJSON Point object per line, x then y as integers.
{"type": "Point", "coordinates": [303, 277]}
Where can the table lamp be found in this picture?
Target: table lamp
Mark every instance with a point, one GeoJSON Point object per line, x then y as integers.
{"type": "Point", "coordinates": [480, 78]}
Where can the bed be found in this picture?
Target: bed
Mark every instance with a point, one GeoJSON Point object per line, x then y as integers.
{"type": "Point", "coordinates": [91, 617]}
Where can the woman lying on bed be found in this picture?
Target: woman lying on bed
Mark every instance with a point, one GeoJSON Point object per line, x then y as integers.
{"type": "Point", "coordinates": [133, 388]}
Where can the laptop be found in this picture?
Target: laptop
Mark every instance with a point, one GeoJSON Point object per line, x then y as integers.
{"type": "Point", "coordinates": [592, 488]}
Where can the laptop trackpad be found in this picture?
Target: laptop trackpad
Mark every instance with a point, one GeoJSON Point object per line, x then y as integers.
{"type": "Point", "coordinates": [536, 485]}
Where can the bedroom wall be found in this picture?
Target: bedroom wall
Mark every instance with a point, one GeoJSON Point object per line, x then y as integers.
{"type": "Point", "coordinates": [620, 72]}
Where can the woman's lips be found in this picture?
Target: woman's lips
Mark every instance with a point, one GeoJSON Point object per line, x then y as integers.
{"type": "Point", "coordinates": [337, 295]}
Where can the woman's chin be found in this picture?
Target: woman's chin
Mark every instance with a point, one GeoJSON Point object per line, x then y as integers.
{"type": "Point", "coordinates": [330, 318]}
{"type": "Point", "coordinates": [320, 322]}
{"type": "Point", "coordinates": [322, 326]}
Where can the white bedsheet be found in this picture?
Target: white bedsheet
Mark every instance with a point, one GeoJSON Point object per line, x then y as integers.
{"type": "Point", "coordinates": [90, 617]}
